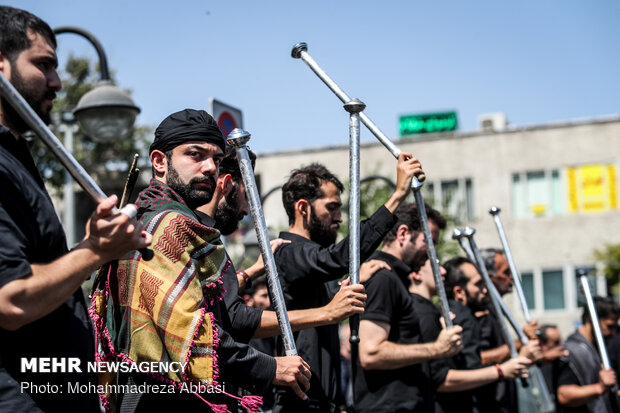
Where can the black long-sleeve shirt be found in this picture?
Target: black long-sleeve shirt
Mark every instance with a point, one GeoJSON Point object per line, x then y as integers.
{"type": "Point", "coordinates": [304, 268]}
{"type": "Point", "coordinates": [239, 363]}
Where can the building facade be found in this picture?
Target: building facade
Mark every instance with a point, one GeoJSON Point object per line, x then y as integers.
{"type": "Point", "coordinates": [556, 185]}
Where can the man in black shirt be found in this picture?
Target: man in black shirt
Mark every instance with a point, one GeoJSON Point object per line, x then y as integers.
{"type": "Point", "coordinates": [42, 308]}
{"type": "Point", "coordinates": [583, 385]}
{"type": "Point", "coordinates": [493, 345]}
{"type": "Point", "coordinates": [391, 374]}
{"type": "Point", "coordinates": [312, 202]}
{"type": "Point", "coordinates": [451, 382]}
{"type": "Point", "coordinates": [468, 294]}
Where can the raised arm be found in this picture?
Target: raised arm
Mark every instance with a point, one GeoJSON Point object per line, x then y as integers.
{"type": "Point", "coordinates": [406, 168]}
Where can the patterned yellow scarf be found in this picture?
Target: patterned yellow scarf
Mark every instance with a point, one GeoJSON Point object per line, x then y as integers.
{"type": "Point", "coordinates": [158, 310]}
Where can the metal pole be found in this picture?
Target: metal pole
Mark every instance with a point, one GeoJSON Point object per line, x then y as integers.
{"type": "Point", "coordinates": [354, 107]}
{"type": "Point", "coordinates": [76, 170]}
{"type": "Point", "coordinates": [36, 124]}
{"type": "Point", "coordinates": [432, 256]}
{"type": "Point", "coordinates": [458, 234]}
{"type": "Point", "coordinates": [238, 139]}
{"type": "Point", "coordinates": [68, 218]}
{"type": "Point", "coordinates": [469, 234]}
{"type": "Point", "coordinates": [516, 276]}
{"type": "Point", "coordinates": [541, 393]}
{"type": "Point", "coordinates": [598, 334]}
{"type": "Point", "coordinates": [300, 52]}
{"type": "Point", "coordinates": [103, 61]}
{"type": "Point", "coordinates": [596, 327]}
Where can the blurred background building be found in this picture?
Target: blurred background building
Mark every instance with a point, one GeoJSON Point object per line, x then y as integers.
{"type": "Point", "coordinates": [556, 184]}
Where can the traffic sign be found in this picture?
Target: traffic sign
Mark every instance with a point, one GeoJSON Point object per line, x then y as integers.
{"type": "Point", "coordinates": [227, 117]}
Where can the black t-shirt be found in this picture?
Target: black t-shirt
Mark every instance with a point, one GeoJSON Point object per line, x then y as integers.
{"type": "Point", "coordinates": [30, 232]}
{"type": "Point", "coordinates": [567, 376]}
{"type": "Point", "coordinates": [407, 389]}
{"type": "Point", "coordinates": [305, 270]}
{"type": "Point", "coordinates": [505, 391]}
{"type": "Point", "coordinates": [467, 359]}
{"type": "Point", "coordinates": [430, 327]}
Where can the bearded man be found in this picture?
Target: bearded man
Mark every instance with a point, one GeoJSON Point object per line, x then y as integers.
{"type": "Point", "coordinates": [170, 308]}
{"type": "Point", "coordinates": [42, 308]}
{"type": "Point", "coordinates": [312, 259]}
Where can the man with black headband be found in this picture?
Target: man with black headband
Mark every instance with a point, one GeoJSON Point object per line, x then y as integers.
{"type": "Point", "coordinates": [42, 308]}
{"type": "Point", "coordinates": [171, 305]}
{"type": "Point", "coordinates": [312, 202]}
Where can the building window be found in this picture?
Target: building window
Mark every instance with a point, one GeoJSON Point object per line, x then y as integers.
{"type": "Point", "coordinates": [450, 198]}
{"type": "Point", "coordinates": [428, 191]}
{"type": "Point", "coordinates": [537, 194]}
{"type": "Point", "coordinates": [527, 283]}
{"type": "Point", "coordinates": [455, 198]}
{"type": "Point", "coordinates": [592, 282]}
{"type": "Point", "coordinates": [576, 189]}
{"type": "Point", "coordinates": [553, 289]}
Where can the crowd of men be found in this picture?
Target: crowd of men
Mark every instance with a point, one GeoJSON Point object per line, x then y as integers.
{"type": "Point", "coordinates": [188, 304]}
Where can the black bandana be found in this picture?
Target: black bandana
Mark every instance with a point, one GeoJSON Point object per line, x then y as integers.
{"type": "Point", "coordinates": [184, 126]}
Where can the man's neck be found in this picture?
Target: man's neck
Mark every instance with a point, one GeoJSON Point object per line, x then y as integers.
{"type": "Point", "coordinates": [9, 126]}
{"type": "Point", "coordinates": [393, 250]}
{"type": "Point", "coordinates": [298, 229]}
{"type": "Point", "coordinates": [421, 290]}
{"type": "Point", "coordinates": [586, 331]}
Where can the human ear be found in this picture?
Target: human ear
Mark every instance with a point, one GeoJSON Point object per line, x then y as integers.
{"type": "Point", "coordinates": [3, 63]}
{"type": "Point", "coordinates": [159, 161]}
{"type": "Point", "coordinates": [226, 182]}
{"type": "Point", "coordinates": [415, 276]}
{"type": "Point", "coordinates": [302, 207]}
{"type": "Point", "coordinates": [459, 293]}
{"type": "Point", "coordinates": [402, 232]}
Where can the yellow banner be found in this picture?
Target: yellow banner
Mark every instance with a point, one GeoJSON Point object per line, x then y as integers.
{"type": "Point", "coordinates": [591, 188]}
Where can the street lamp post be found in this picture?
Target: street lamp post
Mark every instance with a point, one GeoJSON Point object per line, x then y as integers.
{"type": "Point", "coordinates": [105, 114]}
{"type": "Point", "coordinates": [68, 130]}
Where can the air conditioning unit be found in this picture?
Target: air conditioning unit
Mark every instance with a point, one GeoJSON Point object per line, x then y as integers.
{"type": "Point", "coordinates": [492, 122]}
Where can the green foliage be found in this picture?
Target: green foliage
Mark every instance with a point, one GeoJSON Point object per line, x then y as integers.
{"type": "Point", "coordinates": [610, 256]}
{"type": "Point", "coordinates": [106, 162]}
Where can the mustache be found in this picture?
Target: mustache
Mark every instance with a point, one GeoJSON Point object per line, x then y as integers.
{"type": "Point", "coordinates": [204, 180]}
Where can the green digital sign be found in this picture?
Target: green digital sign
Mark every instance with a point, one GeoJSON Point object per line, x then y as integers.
{"type": "Point", "coordinates": [427, 123]}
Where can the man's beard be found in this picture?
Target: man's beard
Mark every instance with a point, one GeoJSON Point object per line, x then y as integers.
{"type": "Point", "coordinates": [193, 197]}
{"type": "Point", "coordinates": [418, 260]}
{"type": "Point", "coordinates": [320, 232]}
{"type": "Point", "coordinates": [476, 305]}
{"type": "Point", "coordinates": [34, 99]}
{"type": "Point", "coordinates": [227, 215]}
